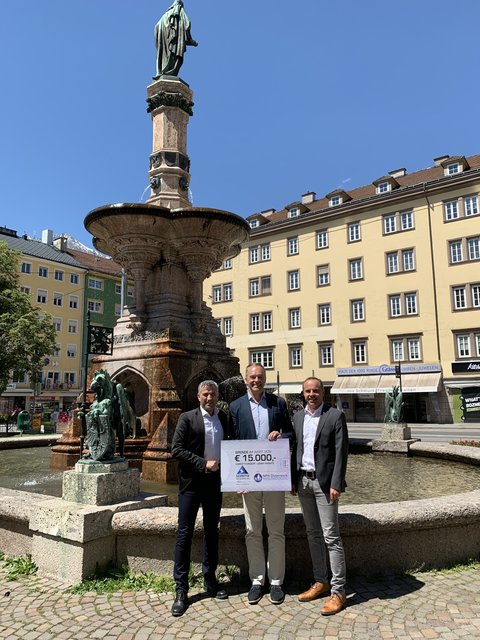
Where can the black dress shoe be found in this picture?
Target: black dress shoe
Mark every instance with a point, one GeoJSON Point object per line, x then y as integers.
{"type": "Point", "coordinates": [215, 591]}
{"type": "Point", "coordinates": [180, 604]}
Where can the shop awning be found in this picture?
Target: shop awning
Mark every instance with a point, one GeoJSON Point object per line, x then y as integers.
{"type": "Point", "coordinates": [411, 383]}
{"type": "Point", "coordinates": [460, 384]}
{"type": "Point", "coordinates": [355, 384]}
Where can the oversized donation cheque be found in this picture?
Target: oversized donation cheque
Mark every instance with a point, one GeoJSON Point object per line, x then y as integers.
{"type": "Point", "coordinates": [255, 465]}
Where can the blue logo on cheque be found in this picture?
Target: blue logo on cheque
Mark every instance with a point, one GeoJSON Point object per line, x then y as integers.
{"type": "Point", "coordinates": [258, 477]}
{"type": "Point", "coordinates": [242, 471]}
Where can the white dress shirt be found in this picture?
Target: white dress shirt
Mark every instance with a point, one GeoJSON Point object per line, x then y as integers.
{"type": "Point", "coordinates": [260, 416]}
{"type": "Point", "coordinates": [213, 435]}
{"type": "Point", "coordinates": [310, 424]}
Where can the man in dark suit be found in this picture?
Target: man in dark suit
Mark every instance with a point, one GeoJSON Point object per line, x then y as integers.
{"type": "Point", "coordinates": [319, 462]}
{"type": "Point", "coordinates": [196, 444]}
{"type": "Point", "coordinates": [260, 415]}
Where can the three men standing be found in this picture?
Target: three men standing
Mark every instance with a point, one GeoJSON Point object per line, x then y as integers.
{"type": "Point", "coordinates": [260, 415]}
{"type": "Point", "coordinates": [319, 462]}
{"type": "Point", "coordinates": [196, 444]}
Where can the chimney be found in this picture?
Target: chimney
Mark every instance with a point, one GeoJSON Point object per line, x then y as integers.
{"type": "Point", "coordinates": [438, 161]}
{"type": "Point", "coordinates": [47, 237]}
{"type": "Point", "coordinates": [60, 243]}
{"type": "Point", "coordinates": [267, 212]}
{"type": "Point", "coordinates": [309, 197]}
{"type": "Point", "coordinates": [398, 173]}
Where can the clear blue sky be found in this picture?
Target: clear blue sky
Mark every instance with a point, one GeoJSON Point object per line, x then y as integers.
{"type": "Point", "coordinates": [290, 96]}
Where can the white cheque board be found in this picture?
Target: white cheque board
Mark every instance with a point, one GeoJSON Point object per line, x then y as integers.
{"type": "Point", "coordinates": [255, 465]}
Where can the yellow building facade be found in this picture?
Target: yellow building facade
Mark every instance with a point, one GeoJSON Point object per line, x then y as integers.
{"type": "Point", "coordinates": [353, 284]}
{"type": "Point", "coordinates": [55, 282]}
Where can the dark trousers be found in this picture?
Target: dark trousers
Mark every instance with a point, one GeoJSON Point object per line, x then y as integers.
{"type": "Point", "coordinates": [204, 490]}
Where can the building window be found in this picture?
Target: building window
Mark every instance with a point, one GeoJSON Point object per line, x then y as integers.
{"type": "Point", "coordinates": [293, 280]}
{"type": "Point", "coordinates": [466, 297]}
{"type": "Point", "coordinates": [406, 220]}
{"type": "Point", "coordinates": [451, 210]}
{"type": "Point", "coordinates": [73, 278]}
{"type": "Point", "coordinates": [69, 378]}
{"type": "Point", "coordinates": [323, 275]}
{"type": "Point", "coordinates": [294, 318]}
{"type": "Point", "coordinates": [72, 326]}
{"type": "Point", "coordinates": [392, 262]}
{"type": "Point", "coordinates": [59, 275]}
{"type": "Point", "coordinates": [473, 245]}
{"type": "Point", "coordinates": [96, 306]}
{"type": "Point", "coordinates": [294, 212]}
{"type": "Point", "coordinates": [295, 356]}
{"type": "Point", "coordinates": [43, 272]}
{"type": "Point", "coordinates": [359, 351]}
{"type": "Point", "coordinates": [118, 289]}
{"type": "Point", "coordinates": [227, 326]}
{"type": "Point", "coordinates": [222, 292]}
{"type": "Point", "coordinates": [322, 239]}
{"type": "Point", "coordinates": [227, 264]}
{"type": "Point", "coordinates": [452, 169]}
{"type": "Point", "coordinates": [95, 283]}
{"type": "Point", "coordinates": [26, 267]}
{"type": "Point", "coordinates": [324, 314]}
{"type": "Point", "coordinates": [335, 201]}
{"type": "Point", "coordinates": [56, 351]}
{"type": "Point", "coordinates": [383, 187]}
{"type": "Point", "coordinates": [389, 224]}
{"type": "Point", "coordinates": [261, 322]}
{"type": "Point", "coordinates": [467, 344]}
{"type": "Point", "coordinates": [354, 232]}
{"type": "Point", "coordinates": [253, 224]}
{"type": "Point", "coordinates": [71, 350]}
{"type": "Point", "coordinates": [254, 255]}
{"type": "Point", "coordinates": [260, 286]}
{"type": "Point", "coordinates": [57, 324]}
{"type": "Point", "coordinates": [25, 289]}
{"type": "Point", "coordinates": [130, 290]}
{"type": "Point", "coordinates": [118, 311]}
{"type": "Point", "coordinates": [292, 246]}
{"type": "Point", "coordinates": [404, 348]}
{"type": "Point", "coordinates": [265, 251]}
{"type": "Point", "coordinates": [470, 205]}
{"type": "Point", "coordinates": [358, 310]}
{"type": "Point", "coordinates": [356, 269]}
{"type": "Point", "coordinates": [408, 259]}
{"type": "Point", "coordinates": [325, 352]}
{"type": "Point", "coordinates": [456, 251]}
{"type": "Point", "coordinates": [265, 358]}
{"type": "Point", "coordinates": [42, 296]}
{"type": "Point", "coordinates": [73, 302]}
{"type": "Point", "coordinates": [402, 304]}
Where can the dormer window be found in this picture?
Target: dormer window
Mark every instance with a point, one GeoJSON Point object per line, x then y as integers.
{"type": "Point", "coordinates": [253, 224]}
{"type": "Point", "coordinates": [335, 201]}
{"type": "Point", "coordinates": [384, 187]}
{"type": "Point", "coordinates": [294, 212]}
{"type": "Point", "coordinates": [452, 169]}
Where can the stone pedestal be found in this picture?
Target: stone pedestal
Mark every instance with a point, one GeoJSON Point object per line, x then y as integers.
{"type": "Point", "coordinates": [396, 438]}
{"type": "Point", "coordinates": [71, 541]}
{"type": "Point", "coordinates": [398, 431]}
{"type": "Point", "coordinates": [101, 483]}
{"type": "Point", "coordinates": [170, 103]}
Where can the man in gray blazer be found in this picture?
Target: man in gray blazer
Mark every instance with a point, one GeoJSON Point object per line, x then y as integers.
{"type": "Point", "coordinates": [260, 415]}
{"type": "Point", "coordinates": [319, 462]}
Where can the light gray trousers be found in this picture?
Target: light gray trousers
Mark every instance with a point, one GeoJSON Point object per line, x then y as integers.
{"type": "Point", "coordinates": [323, 532]}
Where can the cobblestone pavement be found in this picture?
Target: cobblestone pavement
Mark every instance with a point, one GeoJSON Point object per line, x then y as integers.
{"type": "Point", "coordinates": [429, 605]}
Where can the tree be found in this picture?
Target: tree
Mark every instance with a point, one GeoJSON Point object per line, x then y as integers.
{"type": "Point", "coordinates": [26, 334]}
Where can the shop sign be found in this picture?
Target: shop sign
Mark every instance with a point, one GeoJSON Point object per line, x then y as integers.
{"type": "Point", "coordinates": [465, 367]}
{"type": "Point", "coordinates": [470, 398]}
{"type": "Point", "coordinates": [11, 386]}
{"type": "Point", "coordinates": [386, 369]}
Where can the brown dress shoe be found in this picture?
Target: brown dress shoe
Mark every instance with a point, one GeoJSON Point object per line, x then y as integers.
{"type": "Point", "coordinates": [334, 604]}
{"type": "Point", "coordinates": [315, 591]}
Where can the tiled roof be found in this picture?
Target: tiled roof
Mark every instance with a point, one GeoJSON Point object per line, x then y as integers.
{"type": "Point", "coordinates": [367, 191]}
{"type": "Point", "coordinates": [38, 249]}
{"type": "Point", "coordinates": [96, 263]}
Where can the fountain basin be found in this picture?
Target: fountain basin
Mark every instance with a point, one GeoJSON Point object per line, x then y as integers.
{"type": "Point", "coordinates": [405, 536]}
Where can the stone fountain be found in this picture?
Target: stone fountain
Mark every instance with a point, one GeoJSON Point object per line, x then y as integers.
{"type": "Point", "coordinates": [168, 341]}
